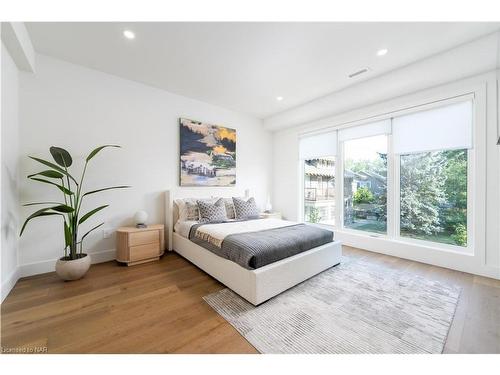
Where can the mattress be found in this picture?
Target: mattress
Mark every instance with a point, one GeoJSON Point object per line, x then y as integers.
{"type": "Point", "coordinates": [255, 243]}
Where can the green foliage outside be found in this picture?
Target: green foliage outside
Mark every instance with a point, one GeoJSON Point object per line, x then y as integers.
{"type": "Point", "coordinates": [363, 195]}
{"type": "Point", "coordinates": [434, 196]}
{"type": "Point", "coordinates": [460, 235]}
{"type": "Point", "coordinates": [378, 201]}
{"type": "Point", "coordinates": [314, 215]}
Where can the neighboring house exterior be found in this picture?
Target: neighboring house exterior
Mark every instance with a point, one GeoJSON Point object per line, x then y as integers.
{"type": "Point", "coordinates": [356, 180]}
{"type": "Point", "coordinates": [319, 190]}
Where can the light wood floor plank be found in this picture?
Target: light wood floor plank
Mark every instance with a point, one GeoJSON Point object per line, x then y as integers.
{"type": "Point", "coordinates": [158, 308]}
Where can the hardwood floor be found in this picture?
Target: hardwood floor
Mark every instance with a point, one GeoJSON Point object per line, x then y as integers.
{"type": "Point", "coordinates": [158, 308]}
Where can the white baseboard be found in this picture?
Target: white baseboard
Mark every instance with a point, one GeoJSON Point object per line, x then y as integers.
{"type": "Point", "coordinates": [9, 283]}
{"type": "Point", "coordinates": [45, 266]}
{"type": "Point", "coordinates": [463, 262]}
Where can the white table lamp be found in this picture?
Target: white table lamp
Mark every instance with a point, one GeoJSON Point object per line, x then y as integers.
{"type": "Point", "coordinates": [140, 218]}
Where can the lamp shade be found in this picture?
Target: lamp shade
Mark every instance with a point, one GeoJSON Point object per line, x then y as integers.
{"type": "Point", "coordinates": [140, 217]}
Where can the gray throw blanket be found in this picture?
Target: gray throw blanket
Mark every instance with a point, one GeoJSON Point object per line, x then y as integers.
{"type": "Point", "coordinates": [252, 250]}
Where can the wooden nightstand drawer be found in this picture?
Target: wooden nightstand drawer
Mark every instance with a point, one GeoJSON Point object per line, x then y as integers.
{"type": "Point", "coordinates": [139, 245]}
{"type": "Point", "coordinates": [143, 238]}
{"type": "Point", "coordinates": [140, 252]}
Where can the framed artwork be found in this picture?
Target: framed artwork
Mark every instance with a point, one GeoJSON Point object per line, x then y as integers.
{"type": "Point", "coordinates": [207, 154]}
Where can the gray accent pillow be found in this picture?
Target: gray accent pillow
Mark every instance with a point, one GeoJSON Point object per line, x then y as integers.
{"type": "Point", "coordinates": [212, 212]}
{"type": "Point", "coordinates": [245, 209]}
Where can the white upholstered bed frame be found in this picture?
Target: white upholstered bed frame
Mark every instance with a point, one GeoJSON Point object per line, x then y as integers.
{"type": "Point", "coordinates": [258, 285]}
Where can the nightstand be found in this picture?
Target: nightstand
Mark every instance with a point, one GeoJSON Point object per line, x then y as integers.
{"type": "Point", "coordinates": [269, 215]}
{"type": "Point", "coordinates": [140, 245]}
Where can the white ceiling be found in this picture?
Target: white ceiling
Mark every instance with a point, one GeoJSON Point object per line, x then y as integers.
{"type": "Point", "coordinates": [245, 66]}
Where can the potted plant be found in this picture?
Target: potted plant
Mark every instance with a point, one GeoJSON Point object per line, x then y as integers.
{"type": "Point", "coordinates": [75, 263]}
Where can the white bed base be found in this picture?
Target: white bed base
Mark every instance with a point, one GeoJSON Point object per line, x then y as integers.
{"type": "Point", "coordinates": [258, 285]}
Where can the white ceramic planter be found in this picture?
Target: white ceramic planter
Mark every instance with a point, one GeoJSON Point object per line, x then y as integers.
{"type": "Point", "coordinates": [73, 269]}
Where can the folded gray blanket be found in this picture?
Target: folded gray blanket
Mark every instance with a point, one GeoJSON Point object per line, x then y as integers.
{"type": "Point", "coordinates": [256, 249]}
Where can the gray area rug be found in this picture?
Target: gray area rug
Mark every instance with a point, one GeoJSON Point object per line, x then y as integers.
{"type": "Point", "coordinates": [356, 307]}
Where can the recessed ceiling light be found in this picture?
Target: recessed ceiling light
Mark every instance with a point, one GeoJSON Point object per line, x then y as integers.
{"type": "Point", "coordinates": [279, 98]}
{"type": "Point", "coordinates": [129, 34]}
{"type": "Point", "coordinates": [382, 52]}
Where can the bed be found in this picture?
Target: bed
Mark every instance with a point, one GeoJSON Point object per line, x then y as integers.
{"type": "Point", "coordinates": [258, 281]}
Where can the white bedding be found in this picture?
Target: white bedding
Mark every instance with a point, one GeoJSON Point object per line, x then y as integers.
{"type": "Point", "coordinates": [183, 227]}
{"type": "Point", "coordinates": [215, 233]}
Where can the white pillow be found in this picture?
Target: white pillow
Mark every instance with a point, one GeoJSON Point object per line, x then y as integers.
{"type": "Point", "coordinates": [182, 208]}
{"type": "Point", "coordinates": [228, 202]}
{"type": "Point", "coordinates": [188, 208]}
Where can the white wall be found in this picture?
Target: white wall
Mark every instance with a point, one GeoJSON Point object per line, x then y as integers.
{"type": "Point", "coordinates": [10, 155]}
{"type": "Point", "coordinates": [286, 182]}
{"type": "Point", "coordinates": [78, 109]}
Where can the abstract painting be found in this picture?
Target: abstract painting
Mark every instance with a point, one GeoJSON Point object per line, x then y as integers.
{"type": "Point", "coordinates": [207, 154]}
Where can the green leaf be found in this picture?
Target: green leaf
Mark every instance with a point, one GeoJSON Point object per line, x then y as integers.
{"type": "Point", "coordinates": [90, 213]}
{"type": "Point", "coordinates": [62, 188]}
{"type": "Point", "coordinates": [67, 234]}
{"type": "Point", "coordinates": [48, 173]}
{"type": "Point", "coordinates": [36, 203]}
{"type": "Point", "coordinates": [108, 188]}
{"type": "Point", "coordinates": [61, 156]}
{"type": "Point", "coordinates": [63, 208]}
{"type": "Point", "coordinates": [42, 212]}
{"type": "Point", "coordinates": [53, 166]}
{"type": "Point", "coordinates": [86, 234]}
{"type": "Point", "coordinates": [94, 152]}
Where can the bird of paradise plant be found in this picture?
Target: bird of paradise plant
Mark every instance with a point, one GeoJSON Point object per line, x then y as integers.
{"type": "Point", "coordinates": [73, 195]}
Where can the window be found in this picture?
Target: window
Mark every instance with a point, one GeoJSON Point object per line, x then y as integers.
{"type": "Point", "coordinates": [317, 153]}
{"type": "Point", "coordinates": [319, 190]}
{"type": "Point", "coordinates": [407, 177]}
{"type": "Point", "coordinates": [433, 156]}
{"type": "Point", "coordinates": [365, 184]}
{"type": "Point", "coordinates": [433, 196]}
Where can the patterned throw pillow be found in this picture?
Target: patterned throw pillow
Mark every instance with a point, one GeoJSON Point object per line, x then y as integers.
{"type": "Point", "coordinates": [229, 208]}
{"type": "Point", "coordinates": [192, 211]}
{"type": "Point", "coordinates": [187, 209]}
{"type": "Point", "coordinates": [245, 209]}
{"type": "Point", "coordinates": [212, 212]}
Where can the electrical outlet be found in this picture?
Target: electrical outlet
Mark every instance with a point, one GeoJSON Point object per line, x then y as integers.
{"type": "Point", "coordinates": [106, 233]}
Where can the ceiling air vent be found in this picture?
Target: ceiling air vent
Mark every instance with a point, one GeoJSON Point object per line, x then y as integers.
{"type": "Point", "coordinates": [359, 72]}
